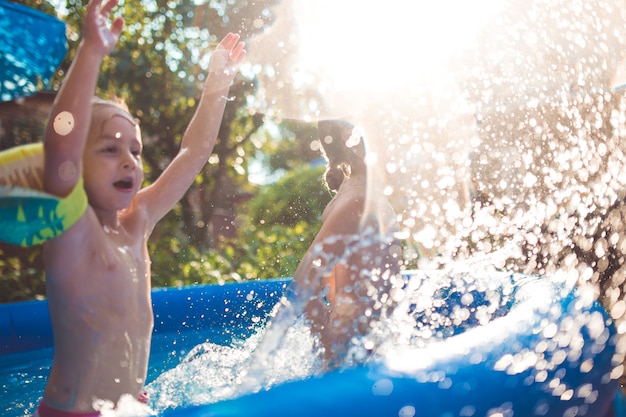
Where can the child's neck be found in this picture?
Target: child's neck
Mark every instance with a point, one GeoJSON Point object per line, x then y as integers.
{"type": "Point", "coordinates": [356, 179]}
{"type": "Point", "coordinates": [109, 221]}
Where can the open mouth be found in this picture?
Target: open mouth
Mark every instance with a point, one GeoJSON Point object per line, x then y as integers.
{"type": "Point", "coordinates": [124, 184]}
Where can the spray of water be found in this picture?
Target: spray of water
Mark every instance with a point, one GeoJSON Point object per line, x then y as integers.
{"type": "Point", "coordinates": [501, 148]}
{"type": "Point", "coordinates": [212, 372]}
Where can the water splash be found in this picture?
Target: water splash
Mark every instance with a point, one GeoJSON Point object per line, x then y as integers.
{"type": "Point", "coordinates": [505, 153]}
{"type": "Point", "coordinates": [212, 372]}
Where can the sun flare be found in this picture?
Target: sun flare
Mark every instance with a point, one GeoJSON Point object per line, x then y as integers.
{"type": "Point", "coordinates": [376, 45]}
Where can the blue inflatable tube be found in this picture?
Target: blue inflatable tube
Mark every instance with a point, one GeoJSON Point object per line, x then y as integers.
{"type": "Point", "coordinates": [548, 351]}
{"type": "Point", "coordinates": [551, 354]}
{"type": "Point", "coordinates": [179, 313]}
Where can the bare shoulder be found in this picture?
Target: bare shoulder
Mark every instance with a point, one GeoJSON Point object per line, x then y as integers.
{"type": "Point", "coordinates": [139, 219]}
{"type": "Point", "coordinates": [153, 202]}
{"type": "Point", "coordinates": [72, 252]}
{"type": "Point", "coordinates": [346, 203]}
{"type": "Point", "coordinates": [341, 217]}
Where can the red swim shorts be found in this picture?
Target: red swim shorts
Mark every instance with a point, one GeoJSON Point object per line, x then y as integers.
{"type": "Point", "coordinates": [44, 411]}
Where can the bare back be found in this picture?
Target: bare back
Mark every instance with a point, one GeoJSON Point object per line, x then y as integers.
{"type": "Point", "coordinates": [339, 274]}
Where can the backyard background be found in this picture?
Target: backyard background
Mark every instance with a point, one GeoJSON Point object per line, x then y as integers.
{"type": "Point", "coordinates": [257, 204]}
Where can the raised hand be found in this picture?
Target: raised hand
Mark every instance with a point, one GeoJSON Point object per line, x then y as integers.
{"type": "Point", "coordinates": [225, 61]}
{"type": "Point", "coordinates": [96, 31]}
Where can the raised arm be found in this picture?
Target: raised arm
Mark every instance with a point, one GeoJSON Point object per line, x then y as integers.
{"type": "Point", "coordinates": [201, 134]}
{"type": "Point", "coordinates": [66, 132]}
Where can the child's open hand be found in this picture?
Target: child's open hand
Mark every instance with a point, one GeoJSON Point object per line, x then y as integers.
{"type": "Point", "coordinates": [226, 60]}
{"type": "Point", "coordinates": [96, 31]}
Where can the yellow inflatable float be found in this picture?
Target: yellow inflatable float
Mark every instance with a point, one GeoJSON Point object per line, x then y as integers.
{"type": "Point", "coordinates": [29, 216]}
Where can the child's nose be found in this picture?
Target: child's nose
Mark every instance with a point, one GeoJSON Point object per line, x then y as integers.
{"type": "Point", "coordinates": [129, 160]}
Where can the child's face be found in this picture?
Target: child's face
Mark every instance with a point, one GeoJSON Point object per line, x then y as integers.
{"type": "Point", "coordinates": [112, 167]}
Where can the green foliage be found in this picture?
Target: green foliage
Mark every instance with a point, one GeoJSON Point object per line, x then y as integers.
{"type": "Point", "coordinates": [263, 249]}
{"type": "Point", "coordinates": [264, 254]}
{"type": "Point", "coordinates": [280, 224]}
{"type": "Point", "coordinates": [276, 252]}
{"type": "Point", "coordinates": [21, 273]}
{"type": "Point", "coordinates": [282, 221]}
{"type": "Point", "coordinates": [294, 147]}
{"type": "Point", "coordinates": [269, 253]}
{"type": "Point", "coordinates": [22, 131]}
{"type": "Point", "coordinates": [299, 196]}
{"type": "Point", "coordinates": [158, 68]}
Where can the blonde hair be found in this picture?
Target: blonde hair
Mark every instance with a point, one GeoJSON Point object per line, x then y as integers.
{"type": "Point", "coordinates": [119, 105]}
{"type": "Point", "coordinates": [103, 110]}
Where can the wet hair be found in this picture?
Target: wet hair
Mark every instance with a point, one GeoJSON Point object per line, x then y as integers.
{"type": "Point", "coordinates": [345, 157]}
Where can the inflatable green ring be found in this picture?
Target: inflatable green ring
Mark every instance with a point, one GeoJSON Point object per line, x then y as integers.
{"type": "Point", "coordinates": [29, 216]}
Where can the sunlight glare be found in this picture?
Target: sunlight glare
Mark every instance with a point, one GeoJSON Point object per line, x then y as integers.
{"type": "Point", "coordinates": [377, 45]}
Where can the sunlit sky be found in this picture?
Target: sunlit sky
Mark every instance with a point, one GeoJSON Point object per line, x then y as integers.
{"type": "Point", "coordinates": [364, 42]}
{"type": "Point", "coordinates": [388, 42]}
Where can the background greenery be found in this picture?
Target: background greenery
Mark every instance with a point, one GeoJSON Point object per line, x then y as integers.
{"type": "Point", "coordinates": [158, 70]}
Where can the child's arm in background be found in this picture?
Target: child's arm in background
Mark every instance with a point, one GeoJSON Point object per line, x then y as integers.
{"type": "Point", "coordinates": [201, 134]}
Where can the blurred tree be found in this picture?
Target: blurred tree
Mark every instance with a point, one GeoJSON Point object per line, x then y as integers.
{"type": "Point", "coordinates": [290, 200]}
{"type": "Point", "coordinates": [275, 227]}
{"type": "Point", "coordinates": [298, 143]}
{"type": "Point", "coordinates": [158, 69]}
{"type": "Point", "coordinates": [280, 224]}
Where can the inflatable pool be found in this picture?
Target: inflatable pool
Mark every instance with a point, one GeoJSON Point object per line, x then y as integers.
{"type": "Point", "coordinates": [545, 350]}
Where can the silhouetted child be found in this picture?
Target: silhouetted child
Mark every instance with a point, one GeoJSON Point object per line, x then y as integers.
{"type": "Point", "coordinates": [346, 273]}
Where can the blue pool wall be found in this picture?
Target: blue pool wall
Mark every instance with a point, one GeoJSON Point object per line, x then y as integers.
{"type": "Point", "coordinates": [227, 308]}
{"type": "Point", "coordinates": [237, 310]}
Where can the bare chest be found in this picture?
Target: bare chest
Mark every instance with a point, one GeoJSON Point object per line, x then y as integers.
{"type": "Point", "coordinates": [123, 281]}
{"type": "Point", "coordinates": [105, 288]}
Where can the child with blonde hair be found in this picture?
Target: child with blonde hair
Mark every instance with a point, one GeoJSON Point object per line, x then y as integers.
{"type": "Point", "coordinates": [98, 271]}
